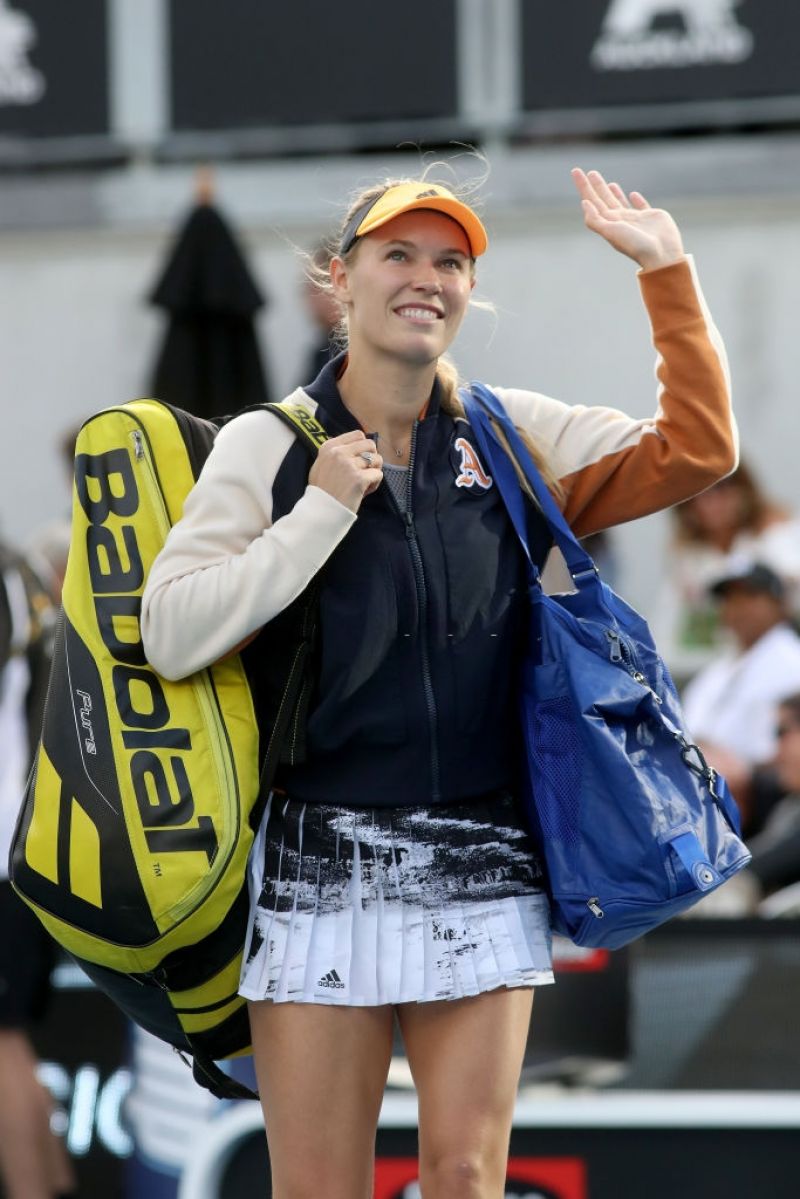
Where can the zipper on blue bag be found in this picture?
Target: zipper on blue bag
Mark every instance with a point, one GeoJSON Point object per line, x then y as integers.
{"type": "Point", "coordinates": [621, 650]}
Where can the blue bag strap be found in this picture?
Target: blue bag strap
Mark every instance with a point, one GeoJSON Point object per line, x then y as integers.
{"type": "Point", "coordinates": [482, 408]}
{"type": "Point", "coordinates": [501, 469]}
{"type": "Point", "coordinates": [695, 860]}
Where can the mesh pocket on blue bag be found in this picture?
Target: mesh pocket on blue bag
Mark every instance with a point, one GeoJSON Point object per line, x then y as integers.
{"type": "Point", "coordinates": [557, 757]}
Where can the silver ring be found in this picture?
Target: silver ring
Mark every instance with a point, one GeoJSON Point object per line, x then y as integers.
{"type": "Point", "coordinates": [367, 455]}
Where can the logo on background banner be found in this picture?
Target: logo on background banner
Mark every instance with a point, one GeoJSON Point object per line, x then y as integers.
{"type": "Point", "coordinates": [527, 1178]}
{"type": "Point", "coordinates": [20, 83]}
{"type": "Point", "coordinates": [635, 35]}
{"type": "Point", "coordinates": [471, 473]}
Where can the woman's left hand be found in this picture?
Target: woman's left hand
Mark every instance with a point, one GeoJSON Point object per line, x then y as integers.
{"type": "Point", "coordinates": [647, 235]}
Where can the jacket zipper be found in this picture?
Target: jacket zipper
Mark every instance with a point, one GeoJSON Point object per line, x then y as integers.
{"type": "Point", "coordinates": [422, 598]}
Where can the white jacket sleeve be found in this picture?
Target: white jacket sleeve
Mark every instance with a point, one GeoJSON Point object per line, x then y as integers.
{"type": "Point", "coordinates": [225, 568]}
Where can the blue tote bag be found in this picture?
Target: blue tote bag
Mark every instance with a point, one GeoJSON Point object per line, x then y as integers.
{"type": "Point", "coordinates": [632, 825]}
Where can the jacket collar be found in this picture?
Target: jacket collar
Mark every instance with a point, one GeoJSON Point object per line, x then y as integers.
{"type": "Point", "coordinates": [331, 409]}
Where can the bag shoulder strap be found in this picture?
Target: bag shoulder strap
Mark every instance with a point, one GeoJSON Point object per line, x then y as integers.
{"type": "Point", "coordinates": [294, 413]}
{"type": "Point", "coordinates": [486, 414]}
{"type": "Point", "coordinates": [301, 420]}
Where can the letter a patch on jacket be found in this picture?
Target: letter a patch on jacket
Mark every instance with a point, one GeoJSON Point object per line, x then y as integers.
{"type": "Point", "coordinates": [471, 473]}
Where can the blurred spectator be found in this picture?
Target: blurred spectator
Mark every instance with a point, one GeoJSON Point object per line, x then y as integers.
{"type": "Point", "coordinates": [729, 705]}
{"type": "Point", "coordinates": [33, 1161]}
{"type": "Point", "coordinates": [323, 309]}
{"type": "Point", "coordinates": [732, 517]}
{"type": "Point", "coordinates": [47, 549]}
{"type": "Point", "coordinates": [776, 848]}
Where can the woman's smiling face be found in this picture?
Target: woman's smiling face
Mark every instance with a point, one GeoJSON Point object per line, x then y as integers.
{"type": "Point", "coordinates": [406, 287]}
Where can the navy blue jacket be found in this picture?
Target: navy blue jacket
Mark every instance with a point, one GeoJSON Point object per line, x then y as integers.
{"type": "Point", "coordinates": [421, 631]}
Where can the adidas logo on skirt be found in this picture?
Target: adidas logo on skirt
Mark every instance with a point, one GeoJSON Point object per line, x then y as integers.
{"type": "Point", "coordinates": [331, 979]}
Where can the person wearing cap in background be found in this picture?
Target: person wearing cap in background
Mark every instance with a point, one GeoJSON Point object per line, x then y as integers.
{"type": "Point", "coordinates": [729, 705]}
{"type": "Point", "coordinates": [392, 873]}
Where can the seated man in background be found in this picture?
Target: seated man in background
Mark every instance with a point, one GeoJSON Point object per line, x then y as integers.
{"type": "Point", "coordinates": [776, 848]}
{"type": "Point", "coordinates": [729, 705]}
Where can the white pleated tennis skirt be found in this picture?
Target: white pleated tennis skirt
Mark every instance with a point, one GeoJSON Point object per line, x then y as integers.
{"type": "Point", "coordinates": [369, 906]}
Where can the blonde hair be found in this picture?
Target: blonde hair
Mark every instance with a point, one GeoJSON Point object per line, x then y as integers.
{"type": "Point", "coordinates": [318, 272]}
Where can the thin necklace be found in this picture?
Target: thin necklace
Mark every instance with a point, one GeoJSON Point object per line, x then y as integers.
{"type": "Point", "coordinates": [401, 452]}
{"type": "Point", "coordinates": [398, 452]}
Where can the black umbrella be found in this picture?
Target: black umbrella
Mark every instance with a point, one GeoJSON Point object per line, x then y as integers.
{"type": "Point", "coordinates": [209, 362]}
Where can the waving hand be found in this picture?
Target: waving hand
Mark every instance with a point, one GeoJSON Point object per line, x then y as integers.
{"type": "Point", "coordinates": [627, 222]}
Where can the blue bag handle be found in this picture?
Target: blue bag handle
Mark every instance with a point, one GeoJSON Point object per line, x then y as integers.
{"type": "Point", "coordinates": [482, 407]}
{"type": "Point", "coordinates": [501, 469]}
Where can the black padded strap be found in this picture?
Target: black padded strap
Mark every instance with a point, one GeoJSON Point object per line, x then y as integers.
{"type": "Point", "coordinates": [208, 1074]}
{"type": "Point", "coordinates": [302, 421]}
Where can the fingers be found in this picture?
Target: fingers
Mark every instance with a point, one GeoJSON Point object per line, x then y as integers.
{"type": "Point", "coordinates": [602, 190]}
{"type": "Point", "coordinates": [370, 464]}
{"type": "Point", "coordinates": [348, 467]}
{"type": "Point", "coordinates": [581, 181]}
{"type": "Point", "coordinates": [347, 438]}
{"type": "Point", "coordinates": [608, 199]}
{"type": "Point", "coordinates": [593, 188]}
{"type": "Point", "coordinates": [355, 448]}
{"type": "Point", "coordinates": [591, 216]}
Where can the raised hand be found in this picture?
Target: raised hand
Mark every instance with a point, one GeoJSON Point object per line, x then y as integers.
{"type": "Point", "coordinates": [627, 222]}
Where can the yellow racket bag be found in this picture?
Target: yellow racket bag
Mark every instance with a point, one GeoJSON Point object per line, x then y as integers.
{"type": "Point", "coordinates": [132, 842]}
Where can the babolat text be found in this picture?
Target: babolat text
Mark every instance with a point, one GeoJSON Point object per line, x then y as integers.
{"type": "Point", "coordinates": [158, 748]}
